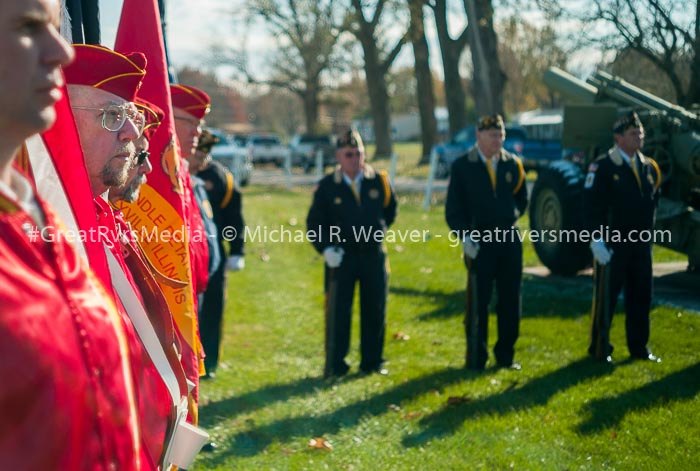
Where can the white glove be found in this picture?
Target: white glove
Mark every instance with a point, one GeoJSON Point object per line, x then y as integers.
{"type": "Point", "coordinates": [235, 263]}
{"type": "Point", "coordinates": [333, 256]}
{"type": "Point", "coordinates": [601, 253]}
{"type": "Point", "coordinates": [471, 248]}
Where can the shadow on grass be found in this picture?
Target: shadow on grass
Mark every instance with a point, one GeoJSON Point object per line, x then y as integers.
{"type": "Point", "coordinates": [542, 297]}
{"type": "Point", "coordinates": [609, 412]}
{"type": "Point", "coordinates": [254, 440]}
{"type": "Point", "coordinates": [535, 393]}
{"type": "Point", "coordinates": [448, 304]}
{"type": "Point", "coordinates": [228, 408]}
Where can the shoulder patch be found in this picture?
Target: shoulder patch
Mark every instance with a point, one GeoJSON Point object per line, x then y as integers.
{"type": "Point", "coordinates": [590, 178]}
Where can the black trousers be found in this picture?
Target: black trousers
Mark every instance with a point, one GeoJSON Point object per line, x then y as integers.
{"type": "Point", "coordinates": [368, 268]}
{"type": "Point", "coordinates": [630, 267]}
{"type": "Point", "coordinates": [211, 316]}
{"type": "Point", "coordinates": [500, 264]}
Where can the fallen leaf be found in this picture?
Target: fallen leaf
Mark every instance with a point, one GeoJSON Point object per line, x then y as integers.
{"type": "Point", "coordinates": [412, 415]}
{"type": "Point", "coordinates": [265, 257]}
{"type": "Point", "coordinates": [394, 407]}
{"type": "Point", "coordinates": [320, 443]}
{"type": "Point", "coordinates": [457, 400]}
{"type": "Point", "coordinates": [399, 248]}
{"type": "Point", "coordinates": [293, 221]}
{"type": "Point", "coordinates": [426, 270]}
{"type": "Point", "coordinates": [401, 336]}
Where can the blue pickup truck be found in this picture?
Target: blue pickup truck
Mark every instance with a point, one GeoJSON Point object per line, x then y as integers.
{"type": "Point", "coordinates": [534, 152]}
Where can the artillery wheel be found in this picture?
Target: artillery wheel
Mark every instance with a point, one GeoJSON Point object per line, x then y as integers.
{"type": "Point", "coordinates": [556, 204]}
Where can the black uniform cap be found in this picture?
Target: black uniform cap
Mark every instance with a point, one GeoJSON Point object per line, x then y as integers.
{"type": "Point", "coordinates": [207, 140]}
{"type": "Point", "coordinates": [349, 138]}
{"type": "Point", "coordinates": [492, 121]}
{"type": "Point", "coordinates": [626, 121]}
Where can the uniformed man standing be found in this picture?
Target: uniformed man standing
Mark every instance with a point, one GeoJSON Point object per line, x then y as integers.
{"type": "Point", "coordinates": [485, 197]}
{"type": "Point", "coordinates": [225, 201]}
{"type": "Point", "coordinates": [620, 196]}
{"type": "Point", "coordinates": [351, 210]}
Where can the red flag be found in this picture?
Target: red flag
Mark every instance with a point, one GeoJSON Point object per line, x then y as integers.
{"type": "Point", "coordinates": [58, 168]}
{"type": "Point", "coordinates": [158, 215]}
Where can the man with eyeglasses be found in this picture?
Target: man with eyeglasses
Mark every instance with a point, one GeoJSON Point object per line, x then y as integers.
{"type": "Point", "coordinates": [352, 209]}
{"type": "Point", "coordinates": [102, 86]}
{"type": "Point", "coordinates": [67, 396]}
{"type": "Point", "coordinates": [190, 106]}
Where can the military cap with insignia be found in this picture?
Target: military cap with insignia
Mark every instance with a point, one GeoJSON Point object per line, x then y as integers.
{"type": "Point", "coordinates": [626, 121]}
{"type": "Point", "coordinates": [492, 121]}
{"type": "Point", "coordinates": [207, 140]}
{"type": "Point", "coordinates": [108, 70]}
{"type": "Point", "coordinates": [349, 138]}
{"type": "Point", "coordinates": [191, 99]}
{"type": "Point", "coordinates": [153, 115]}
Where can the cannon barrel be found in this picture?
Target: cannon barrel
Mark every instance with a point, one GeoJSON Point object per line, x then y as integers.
{"type": "Point", "coordinates": [571, 88]}
{"type": "Point", "coordinates": [626, 94]}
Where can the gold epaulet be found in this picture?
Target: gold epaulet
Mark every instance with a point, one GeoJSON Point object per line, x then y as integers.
{"type": "Point", "coordinates": [384, 177]}
{"type": "Point", "coordinates": [230, 185]}
{"type": "Point", "coordinates": [652, 162]}
{"type": "Point", "coordinates": [7, 206]}
{"type": "Point", "coordinates": [521, 173]}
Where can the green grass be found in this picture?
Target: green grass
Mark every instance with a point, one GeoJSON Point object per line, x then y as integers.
{"type": "Point", "coordinates": [560, 412]}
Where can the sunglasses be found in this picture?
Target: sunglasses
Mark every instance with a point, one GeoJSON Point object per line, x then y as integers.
{"type": "Point", "coordinates": [141, 157]}
{"type": "Point", "coordinates": [114, 116]}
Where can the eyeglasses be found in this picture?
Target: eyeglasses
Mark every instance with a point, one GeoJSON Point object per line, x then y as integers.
{"type": "Point", "coordinates": [141, 157]}
{"type": "Point", "coordinates": [114, 116]}
{"type": "Point", "coordinates": [194, 122]}
{"type": "Point", "coordinates": [350, 155]}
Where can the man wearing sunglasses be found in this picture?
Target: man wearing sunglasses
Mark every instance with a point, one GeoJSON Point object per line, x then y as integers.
{"type": "Point", "coordinates": [102, 86]}
{"type": "Point", "coordinates": [67, 398]}
{"type": "Point", "coordinates": [351, 210]}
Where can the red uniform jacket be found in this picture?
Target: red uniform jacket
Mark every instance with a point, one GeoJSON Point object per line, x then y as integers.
{"type": "Point", "coordinates": [66, 393]}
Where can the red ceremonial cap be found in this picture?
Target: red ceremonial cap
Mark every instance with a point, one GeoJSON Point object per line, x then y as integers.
{"type": "Point", "coordinates": [153, 114]}
{"type": "Point", "coordinates": [103, 68]}
{"type": "Point", "coordinates": [190, 99]}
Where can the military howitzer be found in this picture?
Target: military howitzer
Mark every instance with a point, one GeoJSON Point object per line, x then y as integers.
{"type": "Point", "coordinates": [672, 139]}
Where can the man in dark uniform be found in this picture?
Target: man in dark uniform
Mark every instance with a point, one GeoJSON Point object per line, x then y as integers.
{"type": "Point", "coordinates": [485, 197]}
{"type": "Point", "coordinates": [225, 201]}
{"type": "Point", "coordinates": [620, 194]}
{"type": "Point", "coordinates": [351, 210]}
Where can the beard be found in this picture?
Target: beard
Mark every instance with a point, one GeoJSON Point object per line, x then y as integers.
{"type": "Point", "coordinates": [130, 192]}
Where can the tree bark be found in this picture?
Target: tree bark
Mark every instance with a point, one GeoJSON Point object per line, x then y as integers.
{"type": "Point", "coordinates": [376, 69]}
{"type": "Point", "coordinates": [424, 79]}
{"type": "Point", "coordinates": [489, 79]}
{"type": "Point", "coordinates": [451, 50]}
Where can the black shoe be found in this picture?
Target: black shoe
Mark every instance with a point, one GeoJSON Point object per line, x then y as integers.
{"type": "Point", "coordinates": [608, 360]}
{"type": "Point", "coordinates": [380, 370]}
{"type": "Point", "coordinates": [209, 447]}
{"type": "Point", "coordinates": [647, 357]}
{"type": "Point", "coordinates": [510, 366]}
{"type": "Point", "coordinates": [336, 372]}
{"type": "Point", "coordinates": [208, 376]}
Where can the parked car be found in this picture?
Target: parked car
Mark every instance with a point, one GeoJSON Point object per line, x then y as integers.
{"type": "Point", "coordinates": [304, 147]}
{"type": "Point", "coordinates": [232, 150]}
{"type": "Point", "coordinates": [266, 148]}
{"type": "Point", "coordinates": [465, 139]}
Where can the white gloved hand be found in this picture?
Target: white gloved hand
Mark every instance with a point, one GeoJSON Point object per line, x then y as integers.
{"type": "Point", "coordinates": [601, 253]}
{"type": "Point", "coordinates": [333, 256]}
{"type": "Point", "coordinates": [471, 248]}
{"type": "Point", "coordinates": [235, 263]}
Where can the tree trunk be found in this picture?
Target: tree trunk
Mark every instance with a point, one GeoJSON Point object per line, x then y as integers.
{"type": "Point", "coordinates": [424, 79]}
{"type": "Point", "coordinates": [489, 79]}
{"type": "Point", "coordinates": [311, 105]}
{"type": "Point", "coordinates": [379, 100]}
{"type": "Point", "coordinates": [451, 50]}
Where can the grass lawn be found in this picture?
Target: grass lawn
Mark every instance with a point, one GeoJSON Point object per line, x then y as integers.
{"type": "Point", "coordinates": [561, 412]}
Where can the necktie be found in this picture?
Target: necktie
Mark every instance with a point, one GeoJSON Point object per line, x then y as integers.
{"type": "Point", "coordinates": [490, 167]}
{"type": "Point", "coordinates": [635, 170]}
{"type": "Point", "coordinates": [353, 187]}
